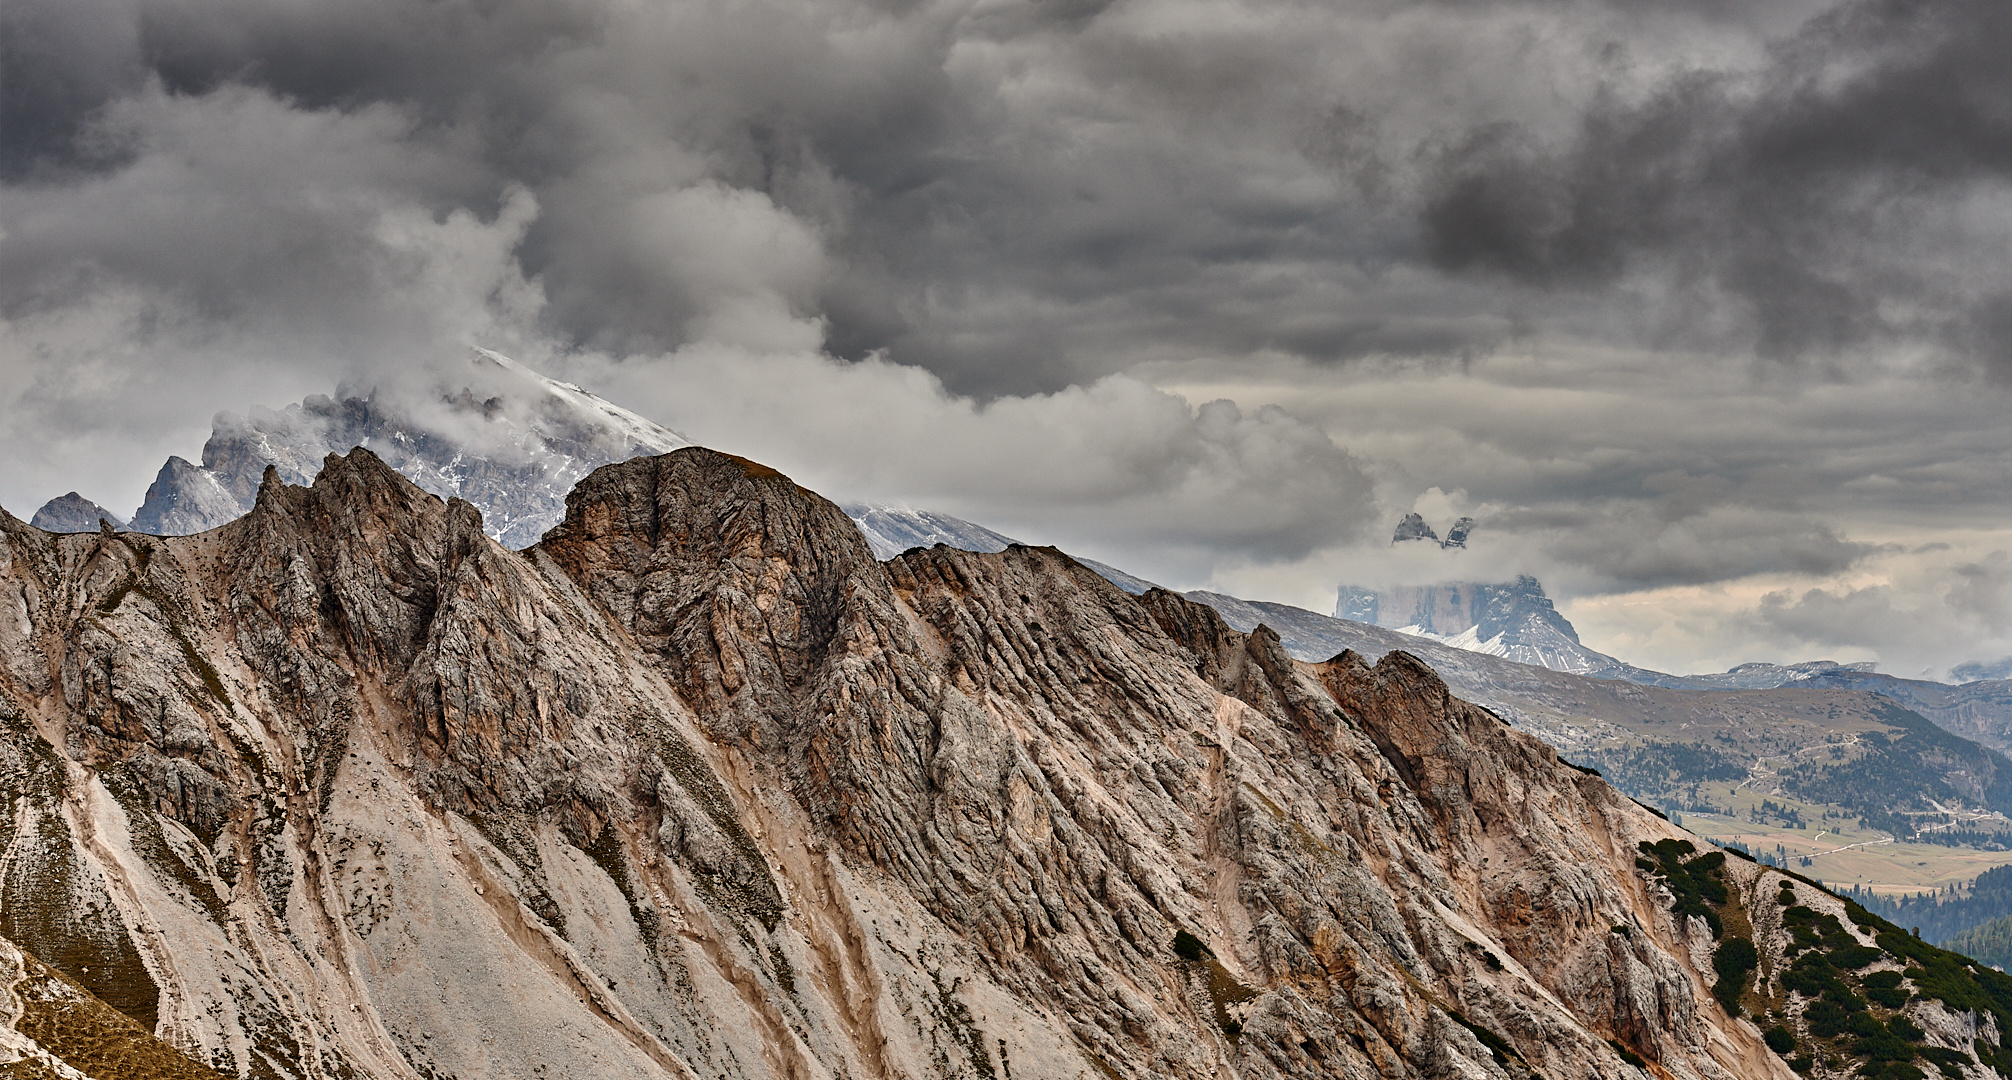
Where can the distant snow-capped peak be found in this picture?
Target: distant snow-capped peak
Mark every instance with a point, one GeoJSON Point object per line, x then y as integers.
{"type": "Point", "coordinates": [891, 530]}
{"type": "Point", "coordinates": [496, 433]}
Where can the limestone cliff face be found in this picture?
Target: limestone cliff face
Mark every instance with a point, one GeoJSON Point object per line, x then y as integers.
{"type": "Point", "coordinates": [697, 788]}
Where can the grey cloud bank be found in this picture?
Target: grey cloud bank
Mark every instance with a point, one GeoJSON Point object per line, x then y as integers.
{"type": "Point", "coordinates": [1673, 297]}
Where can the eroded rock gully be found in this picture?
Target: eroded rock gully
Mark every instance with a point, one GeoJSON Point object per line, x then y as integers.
{"type": "Point", "coordinates": [697, 788]}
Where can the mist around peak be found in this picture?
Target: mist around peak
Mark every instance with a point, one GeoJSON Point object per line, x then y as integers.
{"type": "Point", "coordinates": [505, 438]}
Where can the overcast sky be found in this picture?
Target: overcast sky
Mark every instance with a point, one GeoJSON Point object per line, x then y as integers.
{"type": "Point", "coordinates": [1704, 311]}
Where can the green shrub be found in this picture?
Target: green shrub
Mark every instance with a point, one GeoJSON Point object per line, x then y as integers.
{"type": "Point", "coordinates": [1694, 881]}
{"type": "Point", "coordinates": [1853, 957]}
{"type": "Point", "coordinates": [1950, 1063]}
{"type": "Point", "coordinates": [1883, 988]}
{"type": "Point", "coordinates": [1734, 960]}
{"type": "Point", "coordinates": [1893, 998]}
{"type": "Point", "coordinates": [1826, 1018]}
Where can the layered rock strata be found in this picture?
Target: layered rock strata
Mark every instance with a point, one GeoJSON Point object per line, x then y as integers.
{"type": "Point", "coordinates": [695, 787]}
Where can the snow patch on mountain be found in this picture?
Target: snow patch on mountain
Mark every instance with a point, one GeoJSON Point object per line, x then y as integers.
{"type": "Point", "coordinates": [1513, 620]}
{"type": "Point", "coordinates": [508, 440]}
{"type": "Point", "coordinates": [1538, 646]}
{"type": "Point", "coordinates": [891, 530]}
{"type": "Point", "coordinates": [1131, 583]}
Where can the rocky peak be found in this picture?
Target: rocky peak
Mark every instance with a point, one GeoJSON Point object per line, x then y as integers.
{"type": "Point", "coordinates": [1413, 527]}
{"type": "Point", "coordinates": [678, 548]}
{"type": "Point", "coordinates": [73, 513]}
{"type": "Point", "coordinates": [1456, 537]}
{"type": "Point", "coordinates": [383, 547]}
{"type": "Point", "coordinates": [1511, 619]}
{"type": "Point", "coordinates": [184, 498]}
{"type": "Point", "coordinates": [1521, 609]}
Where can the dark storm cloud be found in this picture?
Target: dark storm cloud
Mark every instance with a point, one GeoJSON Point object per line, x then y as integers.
{"type": "Point", "coordinates": [1800, 188]}
{"type": "Point", "coordinates": [1022, 196]}
{"type": "Point", "coordinates": [1015, 196]}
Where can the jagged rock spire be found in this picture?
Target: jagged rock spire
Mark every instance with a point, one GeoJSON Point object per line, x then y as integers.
{"type": "Point", "coordinates": [1456, 537]}
{"type": "Point", "coordinates": [1413, 527]}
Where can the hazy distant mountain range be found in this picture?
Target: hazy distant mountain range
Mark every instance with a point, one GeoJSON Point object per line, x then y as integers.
{"type": "Point", "coordinates": [1516, 621]}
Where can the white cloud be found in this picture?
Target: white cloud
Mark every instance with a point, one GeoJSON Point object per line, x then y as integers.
{"type": "Point", "coordinates": [1115, 469]}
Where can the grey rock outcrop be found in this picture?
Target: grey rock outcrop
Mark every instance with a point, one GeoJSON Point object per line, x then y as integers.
{"type": "Point", "coordinates": [1456, 537]}
{"type": "Point", "coordinates": [1413, 527]}
{"type": "Point", "coordinates": [74, 513]}
{"type": "Point", "coordinates": [184, 498]}
{"type": "Point", "coordinates": [696, 787]}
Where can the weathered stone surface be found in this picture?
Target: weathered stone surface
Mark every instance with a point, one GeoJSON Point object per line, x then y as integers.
{"type": "Point", "coordinates": [184, 498]}
{"type": "Point", "coordinates": [696, 788]}
{"type": "Point", "coordinates": [74, 513]}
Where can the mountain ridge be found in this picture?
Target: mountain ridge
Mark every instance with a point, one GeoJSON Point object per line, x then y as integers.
{"type": "Point", "coordinates": [74, 513]}
{"type": "Point", "coordinates": [416, 803]}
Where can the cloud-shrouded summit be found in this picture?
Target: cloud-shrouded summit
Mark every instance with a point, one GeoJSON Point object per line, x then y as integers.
{"type": "Point", "coordinates": [1683, 301]}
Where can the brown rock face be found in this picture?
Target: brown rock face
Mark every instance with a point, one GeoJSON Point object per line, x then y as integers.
{"type": "Point", "coordinates": [698, 788]}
